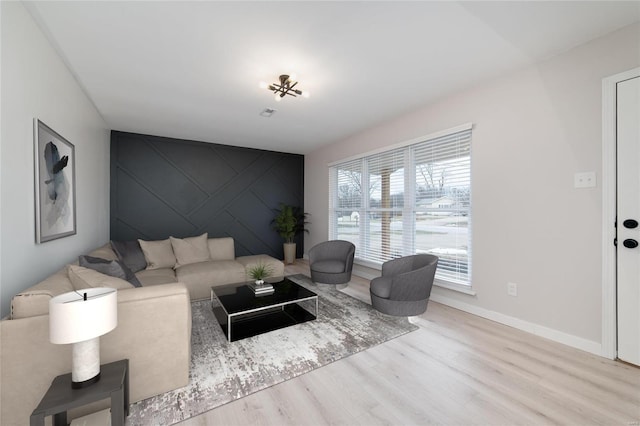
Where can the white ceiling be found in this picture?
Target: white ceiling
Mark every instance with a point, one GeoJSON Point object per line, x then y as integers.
{"type": "Point", "coordinates": [191, 69]}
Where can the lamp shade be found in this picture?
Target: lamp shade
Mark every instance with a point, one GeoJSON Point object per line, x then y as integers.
{"type": "Point", "coordinates": [82, 315]}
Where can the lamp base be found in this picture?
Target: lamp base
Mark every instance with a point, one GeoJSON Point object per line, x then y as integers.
{"type": "Point", "coordinates": [88, 382]}
{"type": "Point", "coordinates": [85, 365]}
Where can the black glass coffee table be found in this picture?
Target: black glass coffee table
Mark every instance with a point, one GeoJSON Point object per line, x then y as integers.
{"type": "Point", "coordinates": [241, 313]}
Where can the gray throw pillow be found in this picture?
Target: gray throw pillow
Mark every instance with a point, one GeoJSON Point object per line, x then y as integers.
{"type": "Point", "coordinates": [113, 268]}
{"type": "Point", "coordinates": [130, 253]}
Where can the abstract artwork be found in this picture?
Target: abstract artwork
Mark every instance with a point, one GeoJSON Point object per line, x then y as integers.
{"type": "Point", "coordinates": [55, 184]}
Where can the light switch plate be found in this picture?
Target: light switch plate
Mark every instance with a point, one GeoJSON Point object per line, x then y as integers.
{"type": "Point", "coordinates": [584, 180]}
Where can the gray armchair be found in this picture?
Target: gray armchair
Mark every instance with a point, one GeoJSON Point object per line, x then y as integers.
{"type": "Point", "coordinates": [331, 262]}
{"type": "Point", "coordinates": [405, 285]}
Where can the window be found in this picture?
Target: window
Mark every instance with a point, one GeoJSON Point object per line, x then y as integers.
{"type": "Point", "coordinates": [415, 198]}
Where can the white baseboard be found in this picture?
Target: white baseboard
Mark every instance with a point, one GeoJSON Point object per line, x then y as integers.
{"type": "Point", "coordinates": [536, 329]}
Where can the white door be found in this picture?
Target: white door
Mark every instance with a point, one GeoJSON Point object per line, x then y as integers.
{"type": "Point", "coordinates": [628, 212]}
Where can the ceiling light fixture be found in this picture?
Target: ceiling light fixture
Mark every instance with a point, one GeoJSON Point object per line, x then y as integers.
{"type": "Point", "coordinates": [285, 87]}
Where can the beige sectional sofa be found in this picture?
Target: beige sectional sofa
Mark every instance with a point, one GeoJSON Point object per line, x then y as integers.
{"type": "Point", "coordinates": [153, 332]}
{"type": "Point", "coordinates": [222, 267]}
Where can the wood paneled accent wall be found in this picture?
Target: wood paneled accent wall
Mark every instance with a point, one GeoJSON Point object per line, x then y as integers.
{"type": "Point", "coordinates": [163, 187]}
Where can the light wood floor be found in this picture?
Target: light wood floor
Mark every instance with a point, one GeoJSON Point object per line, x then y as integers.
{"type": "Point", "coordinates": [457, 369]}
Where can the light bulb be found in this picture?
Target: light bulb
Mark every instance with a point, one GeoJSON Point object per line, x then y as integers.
{"type": "Point", "coordinates": [278, 98]}
{"type": "Point", "coordinates": [306, 94]}
{"type": "Point", "coordinates": [263, 85]}
{"type": "Point", "coordinates": [293, 77]}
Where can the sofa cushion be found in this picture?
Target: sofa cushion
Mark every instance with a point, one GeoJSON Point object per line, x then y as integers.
{"type": "Point", "coordinates": [113, 268]}
{"type": "Point", "coordinates": [276, 266]}
{"type": "Point", "coordinates": [221, 248]}
{"type": "Point", "coordinates": [158, 254]}
{"type": "Point", "coordinates": [190, 250]}
{"type": "Point", "coordinates": [329, 266]}
{"type": "Point", "coordinates": [34, 301]}
{"type": "Point", "coordinates": [130, 253]}
{"type": "Point", "coordinates": [149, 277]}
{"type": "Point", "coordinates": [199, 277]}
{"type": "Point", "coordinates": [87, 278]}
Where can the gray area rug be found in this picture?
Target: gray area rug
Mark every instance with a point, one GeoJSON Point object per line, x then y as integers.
{"type": "Point", "coordinates": [222, 372]}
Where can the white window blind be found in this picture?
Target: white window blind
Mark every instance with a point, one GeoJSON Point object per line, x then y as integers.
{"type": "Point", "coordinates": [411, 199]}
{"type": "Point", "coordinates": [346, 201]}
{"type": "Point", "coordinates": [442, 203]}
{"type": "Point", "coordinates": [383, 206]}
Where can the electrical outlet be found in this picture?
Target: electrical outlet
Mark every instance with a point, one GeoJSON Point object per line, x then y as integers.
{"type": "Point", "coordinates": [584, 180]}
{"type": "Point", "coordinates": [512, 289]}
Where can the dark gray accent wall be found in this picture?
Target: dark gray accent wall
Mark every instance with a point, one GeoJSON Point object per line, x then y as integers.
{"type": "Point", "coordinates": [163, 187]}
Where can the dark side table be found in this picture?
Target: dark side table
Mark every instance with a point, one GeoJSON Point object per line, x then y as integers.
{"type": "Point", "coordinates": [113, 383]}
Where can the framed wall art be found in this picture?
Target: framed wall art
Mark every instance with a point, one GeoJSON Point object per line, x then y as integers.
{"type": "Point", "coordinates": [55, 185]}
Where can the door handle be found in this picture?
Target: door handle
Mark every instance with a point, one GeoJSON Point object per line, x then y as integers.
{"type": "Point", "coordinates": [629, 243]}
{"type": "Point", "coordinates": [630, 224]}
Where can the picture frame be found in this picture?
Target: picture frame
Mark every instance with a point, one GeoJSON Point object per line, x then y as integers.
{"type": "Point", "coordinates": [55, 184]}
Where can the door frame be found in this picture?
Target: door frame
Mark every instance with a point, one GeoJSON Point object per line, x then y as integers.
{"type": "Point", "coordinates": [609, 170]}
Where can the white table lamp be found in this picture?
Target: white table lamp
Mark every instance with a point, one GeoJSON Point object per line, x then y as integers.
{"type": "Point", "coordinates": [81, 317]}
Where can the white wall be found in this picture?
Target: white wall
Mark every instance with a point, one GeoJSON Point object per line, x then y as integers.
{"type": "Point", "coordinates": [36, 83]}
{"type": "Point", "coordinates": [533, 131]}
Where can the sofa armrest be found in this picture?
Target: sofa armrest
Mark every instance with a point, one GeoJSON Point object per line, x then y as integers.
{"type": "Point", "coordinates": [153, 332]}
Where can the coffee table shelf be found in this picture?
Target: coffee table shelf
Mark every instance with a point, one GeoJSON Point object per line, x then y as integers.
{"type": "Point", "coordinates": [243, 314]}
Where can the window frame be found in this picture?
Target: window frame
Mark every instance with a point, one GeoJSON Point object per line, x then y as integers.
{"type": "Point", "coordinates": [408, 210]}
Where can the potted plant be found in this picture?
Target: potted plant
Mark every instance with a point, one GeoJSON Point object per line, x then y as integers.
{"type": "Point", "coordinates": [259, 272]}
{"type": "Point", "coordinates": [289, 222]}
